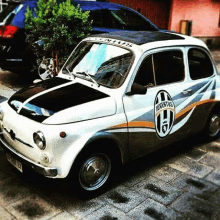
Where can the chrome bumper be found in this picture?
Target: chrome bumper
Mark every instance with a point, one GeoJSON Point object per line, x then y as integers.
{"type": "Point", "coordinates": [46, 171]}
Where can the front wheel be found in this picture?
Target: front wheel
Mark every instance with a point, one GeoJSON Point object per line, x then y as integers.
{"type": "Point", "coordinates": [94, 171]}
{"type": "Point", "coordinates": [91, 172]}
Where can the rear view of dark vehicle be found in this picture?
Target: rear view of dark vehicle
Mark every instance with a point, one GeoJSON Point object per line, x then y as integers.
{"type": "Point", "coordinates": [14, 53]}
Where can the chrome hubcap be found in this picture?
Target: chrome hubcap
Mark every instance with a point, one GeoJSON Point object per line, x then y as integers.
{"type": "Point", "coordinates": [95, 172]}
{"type": "Point", "coordinates": [214, 125]}
{"type": "Point", "coordinates": [45, 69]}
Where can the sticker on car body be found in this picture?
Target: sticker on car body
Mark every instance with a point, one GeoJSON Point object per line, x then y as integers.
{"type": "Point", "coordinates": [164, 113]}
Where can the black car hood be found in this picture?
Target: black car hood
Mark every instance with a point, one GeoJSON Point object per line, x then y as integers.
{"type": "Point", "coordinates": [42, 100]}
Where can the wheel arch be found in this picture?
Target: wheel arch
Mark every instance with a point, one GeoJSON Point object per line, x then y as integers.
{"type": "Point", "coordinates": [208, 132]}
{"type": "Point", "coordinates": [214, 107]}
{"type": "Point", "coordinates": [98, 142]}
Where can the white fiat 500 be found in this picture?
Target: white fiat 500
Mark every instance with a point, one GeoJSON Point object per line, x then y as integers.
{"type": "Point", "coordinates": [119, 96]}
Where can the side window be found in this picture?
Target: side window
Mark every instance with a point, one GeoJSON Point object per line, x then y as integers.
{"type": "Point", "coordinates": [144, 75]}
{"type": "Point", "coordinates": [110, 21]}
{"type": "Point", "coordinates": [200, 65]}
{"type": "Point", "coordinates": [96, 17]}
{"type": "Point", "coordinates": [168, 67]}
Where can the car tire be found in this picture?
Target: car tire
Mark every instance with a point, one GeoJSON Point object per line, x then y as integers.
{"type": "Point", "coordinates": [45, 69]}
{"type": "Point", "coordinates": [91, 173]}
{"type": "Point", "coordinates": [212, 129]}
{"type": "Point", "coordinates": [29, 64]}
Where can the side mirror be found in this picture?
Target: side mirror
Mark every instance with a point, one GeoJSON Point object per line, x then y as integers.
{"type": "Point", "coordinates": [137, 89]}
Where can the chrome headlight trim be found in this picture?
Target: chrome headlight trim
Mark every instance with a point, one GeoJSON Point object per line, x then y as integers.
{"type": "Point", "coordinates": [39, 139]}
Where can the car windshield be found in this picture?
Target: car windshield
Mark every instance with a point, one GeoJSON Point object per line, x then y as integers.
{"type": "Point", "coordinates": [9, 12]}
{"type": "Point", "coordinates": [102, 63]}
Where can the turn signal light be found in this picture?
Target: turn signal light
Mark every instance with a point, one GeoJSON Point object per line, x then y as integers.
{"type": "Point", "coordinates": [8, 31]}
{"type": "Point", "coordinates": [62, 134]}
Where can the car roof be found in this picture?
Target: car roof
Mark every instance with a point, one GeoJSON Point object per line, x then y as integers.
{"type": "Point", "coordinates": [140, 37]}
{"type": "Point", "coordinates": [151, 38]}
{"type": "Point", "coordinates": [94, 5]}
{"type": "Point", "coordinates": [87, 5]}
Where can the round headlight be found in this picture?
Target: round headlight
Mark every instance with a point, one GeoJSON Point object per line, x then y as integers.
{"type": "Point", "coordinates": [39, 140]}
{"type": "Point", "coordinates": [1, 114]}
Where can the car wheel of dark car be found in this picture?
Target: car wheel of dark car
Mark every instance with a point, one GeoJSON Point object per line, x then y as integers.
{"type": "Point", "coordinates": [213, 125]}
{"type": "Point", "coordinates": [46, 68]}
{"type": "Point", "coordinates": [29, 64]}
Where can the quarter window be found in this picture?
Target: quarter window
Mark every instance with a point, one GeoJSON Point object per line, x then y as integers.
{"type": "Point", "coordinates": [96, 18]}
{"type": "Point", "coordinates": [200, 65]}
{"type": "Point", "coordinates": [145, 76]}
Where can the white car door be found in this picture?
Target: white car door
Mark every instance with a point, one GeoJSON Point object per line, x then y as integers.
{"type": "Point", "coordinates": [156, 117]}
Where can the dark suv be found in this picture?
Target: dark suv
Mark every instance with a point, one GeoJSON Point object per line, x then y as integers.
{"type": "Point", "coordinates": [16, 56]}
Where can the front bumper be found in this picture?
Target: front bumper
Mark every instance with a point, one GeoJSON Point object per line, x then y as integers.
{"type": "Point", "coordinates": [45, 171]}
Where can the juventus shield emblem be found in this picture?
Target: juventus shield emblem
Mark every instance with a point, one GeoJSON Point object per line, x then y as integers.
{"type": "Point", "coordinates": [164, 113]}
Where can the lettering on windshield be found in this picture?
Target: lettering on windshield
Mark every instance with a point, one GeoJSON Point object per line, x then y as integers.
{"type": "Point", "coordinates": [113, 41]}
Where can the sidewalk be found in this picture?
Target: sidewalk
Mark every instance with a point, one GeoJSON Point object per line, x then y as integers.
{"type": "Point", "coordinates": [181, 181]}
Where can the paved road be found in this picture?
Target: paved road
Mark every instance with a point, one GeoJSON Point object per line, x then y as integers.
{"type": "Point", "coordinates": [181, 181]}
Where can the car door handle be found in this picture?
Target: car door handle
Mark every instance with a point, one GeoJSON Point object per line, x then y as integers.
{"type": "Point", "coordinates": [187, 91]}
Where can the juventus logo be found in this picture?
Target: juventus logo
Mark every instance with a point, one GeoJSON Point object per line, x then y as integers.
{"type": "Point", "coordinates": [164, 111]}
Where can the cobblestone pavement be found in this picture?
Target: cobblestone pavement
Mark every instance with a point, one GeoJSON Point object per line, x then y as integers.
{"type": "Point", "coordinates": [181, 181]}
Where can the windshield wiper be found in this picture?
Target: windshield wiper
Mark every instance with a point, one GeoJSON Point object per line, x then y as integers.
{"type": "Point", "coordinates": [86, 74]}
{"type": "Point", "coordinates": [68, 70]}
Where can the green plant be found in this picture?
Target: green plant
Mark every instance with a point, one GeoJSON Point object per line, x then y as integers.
{"type": "Point", "coordinates": [60, 26]}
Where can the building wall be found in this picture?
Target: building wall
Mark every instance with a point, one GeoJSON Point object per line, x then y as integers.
{"type": "Point", "coordinates": [155, 10]}
{"type": "Point", "coordinates": [203, 13]}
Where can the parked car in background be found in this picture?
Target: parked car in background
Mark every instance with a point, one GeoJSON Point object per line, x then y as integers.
{"type": "Point", "coordinates": [119, 96]}
{"type": "Point", "coordinates": [17, 56]}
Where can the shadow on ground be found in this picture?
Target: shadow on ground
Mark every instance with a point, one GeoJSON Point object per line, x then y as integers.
{"type": "Point", "coordinates": [15, 81]}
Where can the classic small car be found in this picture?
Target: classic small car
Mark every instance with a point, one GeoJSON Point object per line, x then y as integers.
{"type": "Point", "coordinates": [119, 96]}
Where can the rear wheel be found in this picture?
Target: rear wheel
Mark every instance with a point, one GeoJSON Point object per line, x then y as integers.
{"type": "Point", "coordinates": [213, 125]}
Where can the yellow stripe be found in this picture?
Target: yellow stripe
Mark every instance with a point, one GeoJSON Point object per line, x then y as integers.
{"type": "Point", "coordinates": [148, 124]}
{"type": "Point", "coordinates": [188, 108]}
